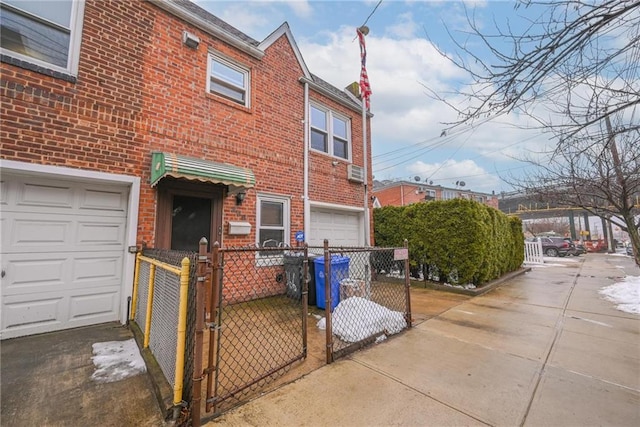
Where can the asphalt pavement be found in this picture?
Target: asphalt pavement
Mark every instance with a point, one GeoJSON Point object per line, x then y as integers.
{"type": "Point", "coordinates": [543, 349]}
{"type": "Point", "coordinates": [47, 381]}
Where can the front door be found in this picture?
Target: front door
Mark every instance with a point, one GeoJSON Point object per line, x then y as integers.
{"type": "Point", "coordinates": [188, 211]}
{"type": "Point", "coordinates": [191, 220]}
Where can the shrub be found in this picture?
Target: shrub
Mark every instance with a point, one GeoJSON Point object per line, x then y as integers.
{"type": "Point", "coordinates": [457, 241]}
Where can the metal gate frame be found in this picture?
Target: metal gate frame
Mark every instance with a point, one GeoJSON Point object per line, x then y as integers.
{"type": "Point", "coordinates": [211, 272]}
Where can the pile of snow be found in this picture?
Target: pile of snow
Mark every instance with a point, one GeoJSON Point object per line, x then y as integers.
{"type": "Point", "coordinates": [116, 360]}
{"type": "Point", "coordinates": [625, 294]}
{"type": "Point", "coordinates": [357, 318]}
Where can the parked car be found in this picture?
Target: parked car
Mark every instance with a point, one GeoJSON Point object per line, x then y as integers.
{"type": "Point", "coordinates": [596, 245]}
{"type": "Point", "coordinates": [556, 246]}
{"type": "Point", "coordinates": [578, 248]}
{"type": "Point", "coordinates": [629, 250]}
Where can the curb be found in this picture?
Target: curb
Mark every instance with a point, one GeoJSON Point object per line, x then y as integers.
{"type": "Point", "coordinates": [471, 292]}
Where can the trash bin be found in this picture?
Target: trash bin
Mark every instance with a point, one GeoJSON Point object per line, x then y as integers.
{"type": "Point", "coordinates": [311, 300]}
{"type": "Point", "coordinates": [293, 263]}
{"type": "Point", "coordinates": [293, 271]}
{"type": "Point", "coordinates": [339, 271]}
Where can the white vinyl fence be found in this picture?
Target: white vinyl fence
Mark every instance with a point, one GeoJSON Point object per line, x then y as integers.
{"type": "Point", "coordinates": [533, 252]}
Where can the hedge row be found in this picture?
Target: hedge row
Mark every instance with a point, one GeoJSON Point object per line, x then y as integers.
{"type": "Point", "coordinates": [457, 241]}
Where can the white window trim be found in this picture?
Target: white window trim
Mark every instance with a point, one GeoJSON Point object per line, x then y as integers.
{"type": "Point", "coordinates": [329, 131]}
{"type": "Point", "coordinates": [262, 260]}
{"type": "Point", "coordinates": [75, 40]}
{"type": "Point", "coordinates": [247, 89]}
{"type": "Point", "coordinates": [448, 195]}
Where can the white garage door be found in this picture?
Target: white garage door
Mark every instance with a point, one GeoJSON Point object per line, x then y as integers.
{"type": "Point", "coordinates": [342, 228]}
{"type": "Point", "coordinates": [63, 246]}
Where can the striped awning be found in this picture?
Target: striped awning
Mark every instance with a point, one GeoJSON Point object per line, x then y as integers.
{"type": "Point", "coordinates": [177, 166]}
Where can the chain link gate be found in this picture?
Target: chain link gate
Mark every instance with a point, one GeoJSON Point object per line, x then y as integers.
{"type": "Point", "coordinates": [257, 325]}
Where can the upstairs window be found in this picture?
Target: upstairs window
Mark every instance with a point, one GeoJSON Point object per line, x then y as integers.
{"type": "Point", "coordinates": [43, 33]}
{"type": "Point", "coordinates": [228, 80]}
{"type": "Point", "coordinates": [330, 132]}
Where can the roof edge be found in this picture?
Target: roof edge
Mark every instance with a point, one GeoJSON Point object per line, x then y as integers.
{"type": "Point", "coordinates": [207, 27]}
{"type": "Point", "coordinates": [285, 30]}
{"type": "Point", "coordinates": [325, 92]}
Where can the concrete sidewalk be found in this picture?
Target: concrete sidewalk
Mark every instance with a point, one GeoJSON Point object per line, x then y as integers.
{"type": "Point", "coordinates": [543, 349]}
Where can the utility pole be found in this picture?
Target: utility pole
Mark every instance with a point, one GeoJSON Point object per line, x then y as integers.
{"type": "Point", "coordinates": [620, 177]}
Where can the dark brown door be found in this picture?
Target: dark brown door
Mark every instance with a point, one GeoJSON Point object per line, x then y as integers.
{"type": "Point", "coordinates": [187, 212]}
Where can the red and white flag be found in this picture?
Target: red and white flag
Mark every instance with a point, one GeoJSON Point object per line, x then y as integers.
{"type": "Point", "coordinates": [365, 88]}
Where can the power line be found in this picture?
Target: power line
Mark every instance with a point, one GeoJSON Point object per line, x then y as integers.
{"type": "Point", "coordinates": [371, 14]}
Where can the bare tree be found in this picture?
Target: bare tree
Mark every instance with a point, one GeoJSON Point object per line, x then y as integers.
{"type": "Point", "coordinates": [547, 225]}
{"type": "Point", "coordinates": [575, 71]}
{"type": "Point", "coordinates": [601, 177]}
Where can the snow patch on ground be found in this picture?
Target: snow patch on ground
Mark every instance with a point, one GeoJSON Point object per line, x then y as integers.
{"type": "Point", "coordinates": [625, 294]}
{"type": "Point", "coordinates": [116, 360]}
{"type": "Point", "coordinates": [357, 318]}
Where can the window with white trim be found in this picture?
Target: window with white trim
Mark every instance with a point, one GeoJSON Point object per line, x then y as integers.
{"type": "Point", "coordinates": [448, 195]}
{"type": "Point", "coordinates": [272, 219]}
{"type": "Point", "coordinates": [330, 132]}
{"type": "Point", "coordinates": [228, 80]}
{"type": "Point", "coordinates": [42, 33]}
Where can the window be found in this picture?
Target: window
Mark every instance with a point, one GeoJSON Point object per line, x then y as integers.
{"type": "Point", "coordinates": [273, 221]}
{"type": "Point", "coordinates": [431, 195]}
{"type": "Point", "coordinates": [448, 195]}
{"type": "Point", "coordinates": [228, 80]}
{"type": "Point", "coordinates": [330, 133]}
{"type": "Point", "coordinates": [44, 34]}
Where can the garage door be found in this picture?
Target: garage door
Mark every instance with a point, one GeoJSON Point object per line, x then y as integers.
{"type": "Point", "coordinates": [62, 253]}
{"type": "Point", "coordinates": [342, 228]}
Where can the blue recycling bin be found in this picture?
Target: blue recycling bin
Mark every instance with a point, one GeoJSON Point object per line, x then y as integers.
{"type": "Point", "coordinates": [339, 271]}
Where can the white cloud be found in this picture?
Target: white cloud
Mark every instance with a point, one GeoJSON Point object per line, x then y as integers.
{"type": "Point", "coordinates": [301, 8]}
{"type": "Point", "coordinates": [405, 27]}
{"type": "Point", "coordinates": [452, 171]}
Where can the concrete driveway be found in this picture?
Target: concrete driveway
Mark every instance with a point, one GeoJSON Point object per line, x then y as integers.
{"type": "Point", "coordinates": [545, 349]}
{"type": "Point", "coordinates": [46, 381]}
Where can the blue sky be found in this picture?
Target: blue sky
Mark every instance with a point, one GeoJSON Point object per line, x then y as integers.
{"type": "Point", "coordinates": [401, 62]}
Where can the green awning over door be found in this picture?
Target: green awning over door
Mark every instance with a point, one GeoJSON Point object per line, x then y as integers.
{"type": "Point", "coordinates": [177, 166]}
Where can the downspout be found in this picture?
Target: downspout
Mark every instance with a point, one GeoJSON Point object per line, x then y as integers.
{"type": "Point", "coordinates": [305, 193]}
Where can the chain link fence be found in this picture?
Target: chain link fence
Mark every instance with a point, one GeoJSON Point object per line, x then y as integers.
{"type": "Point", "coordinates": [365, 295]}
{"type": "Point", "coordinates": [164, 313]}
{"type": "Point", "coordinates": [260, 323]}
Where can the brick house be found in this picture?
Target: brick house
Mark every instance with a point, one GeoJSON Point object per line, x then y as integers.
{"type": "Point", "coordinates": [403, 193]}
{"type": "Point", "coordinates": [152, 122]}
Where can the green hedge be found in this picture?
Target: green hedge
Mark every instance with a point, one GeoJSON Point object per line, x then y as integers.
{"type": "Point", "coordinates": [457, 241]}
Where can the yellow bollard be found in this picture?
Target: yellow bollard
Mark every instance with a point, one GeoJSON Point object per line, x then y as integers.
{"type": "Point", "coordinates": [182, 331]}
{"type": "Point", "coordinates": [147, 323]}
{"type": "Point", "coordinates": [136, 280]}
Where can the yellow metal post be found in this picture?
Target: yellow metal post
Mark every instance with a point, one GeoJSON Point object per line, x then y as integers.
{"type": "Point", "coordinates": [147, 323]}
{"type": "Point", "coordinates": [182, 331]}
{"type": "Point", "coordinates": [136, 280]}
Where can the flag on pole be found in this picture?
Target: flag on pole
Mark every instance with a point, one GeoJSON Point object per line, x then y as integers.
{"type": "Point", "coordinates": [365, 88]}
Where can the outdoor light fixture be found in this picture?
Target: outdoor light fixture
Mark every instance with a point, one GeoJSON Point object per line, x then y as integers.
{"type": "Point", "coordinates": [190, 40]}
{"type": "Point", "coordinates": [240, 197]}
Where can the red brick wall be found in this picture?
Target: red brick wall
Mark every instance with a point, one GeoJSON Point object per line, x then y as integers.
{"type": "Point", "coordinates": [400, 195]}
{"type": "Point", "coordinates": [405, 194]}
{"type": "Point", "coordinates": [139, 89]}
